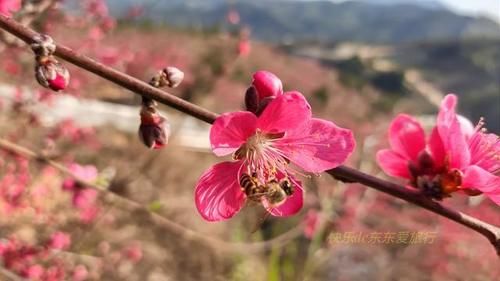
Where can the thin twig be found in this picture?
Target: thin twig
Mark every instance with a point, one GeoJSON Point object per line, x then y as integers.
{"type": "Point", "coordinates": [491, 232]}
{"type": "Point", "coordinates": [158, 220]}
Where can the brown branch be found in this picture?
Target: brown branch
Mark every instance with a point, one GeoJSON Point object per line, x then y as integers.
{"type": "Point", "coordinates": [491, 232]}
{"type": "Point", "coordinates": [158, 220]}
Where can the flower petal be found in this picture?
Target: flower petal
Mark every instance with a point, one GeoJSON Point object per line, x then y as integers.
{"type": "Point", "coordinates": [321, 147]}
{"type": "Point", "coordinates": [393, 163]}
{"type": "Point", "coordinates": [291, 206]}
{"type": "Point", "coordinates": [286, 112]}
{"type": "Point", "coordinates": [477, 178]}
{"type": "Point", "coordinates": [407, 136]}
{"type": "Point", "coordinates": [231, 130]}
{"type": "Point", "coordinates": [454, 141]}
{"type": "Point", "coordinates": [267, 84]}
{"type": "Point", "coordinates": [218, 194]}
{"type": "Point", "coordinates": [437, 148]}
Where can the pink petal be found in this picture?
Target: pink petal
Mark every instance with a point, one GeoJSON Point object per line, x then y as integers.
{"type": "Point", "coordinates": [287, 112]}
{"type": "Point", "coordinates": [231, 130]}
{"type": "Point", "coordinates": [454, 141]}
{"type": "Point", "coordinates": [407, 136]}
{"type": "Point", "coordinates": [477, 178]}
{"type": "Point", "coordinates": [466, 126]}
{"type": "Point", "coordinates": [267, 84]}
{"type": "Point", "coordinates": [322, 147]}
{"type": "Point", "coordinates": [291, 206]}
{"type": "Point", "coordinates": [393, 164]}
{"type": "Point", "coordinates": [437, 148]}
{"type": "Point", "coordinates": [218, 193]}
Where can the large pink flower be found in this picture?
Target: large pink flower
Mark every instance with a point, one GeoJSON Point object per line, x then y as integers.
{"type": "Point", "coordinates": [456, 157]}
{"type": "Point", "coordinates": [263, 149]}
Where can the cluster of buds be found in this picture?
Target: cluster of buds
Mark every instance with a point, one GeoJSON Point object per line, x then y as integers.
{"type": "Point", "coordinates": [265, 88]}
{"type": "Point", "coordinates": [169, 76]}
{"type": "Point", "coordinates": [49, 72]}
{"type": "Point", "coordinates": [154, 129]}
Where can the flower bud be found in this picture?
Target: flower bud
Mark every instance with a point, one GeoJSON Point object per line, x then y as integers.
{"type": "Point", "coordinates": [154, 129]}
{"type": "Point", "coordinates": [173, 76]}
{"type": "Point", "coordinates": [169, 76]}
{"type": "Point", "coordinates": [251, 100]}
{"type": "Point", "coordinates": [51, 74]}
{"type": "Point", "coordinates": [267, 84]}
{"type": "Point", "coordinates": [263, 104]}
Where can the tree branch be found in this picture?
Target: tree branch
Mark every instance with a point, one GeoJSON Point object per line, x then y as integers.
{"type": "Point", "coordinates": [157, 219]}
{"type": "Point", "coordinates": [491, 232]}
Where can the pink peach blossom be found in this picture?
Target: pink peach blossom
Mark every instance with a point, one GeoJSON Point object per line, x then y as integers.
{"type": "Point", "coordinates": [9, 6]}
{"type": "Point", "coordinates": [454, 158]}
{"type": "Point", "coordinates": [263, 148]}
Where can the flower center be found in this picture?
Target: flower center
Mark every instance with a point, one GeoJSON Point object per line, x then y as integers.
{"type": "Point", "coordinates": [261, 158]}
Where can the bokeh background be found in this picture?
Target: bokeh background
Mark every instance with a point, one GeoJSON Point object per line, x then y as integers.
{"type": "Point", "coordinates": [359, 63]}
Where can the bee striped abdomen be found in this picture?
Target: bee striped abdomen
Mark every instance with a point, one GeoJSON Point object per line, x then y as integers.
{"type": "Point", "coordinates": [250, 186]}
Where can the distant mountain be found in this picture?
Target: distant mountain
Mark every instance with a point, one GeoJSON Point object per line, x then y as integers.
{"type": "Point", "coordinates": [430, 4]}
{"type": "Point", "coordinates": [364, 21]}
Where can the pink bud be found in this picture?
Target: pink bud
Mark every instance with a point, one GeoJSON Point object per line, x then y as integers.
{"type": "Point", "coordinates": [174, 76]}
{"type": "Point", "coordinates": [267, 84]}
{"type": "Point", "coordinates": [251, 100]}
{"type": "Point", "coordinates": [154, 129]}
{"type": "Point", "coordinates": [51, 74]}
{"type": "Point", "coordinates": [263, 104]}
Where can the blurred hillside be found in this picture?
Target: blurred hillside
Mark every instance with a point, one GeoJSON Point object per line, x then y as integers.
{"type": "Point", "coordinates": [468, 68]}
{"type": "Point", "coordinates": [320, 20]}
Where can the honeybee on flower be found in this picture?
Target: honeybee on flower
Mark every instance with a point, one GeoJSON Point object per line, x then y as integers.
{"type": "Point", "coordinates": [276, 132]}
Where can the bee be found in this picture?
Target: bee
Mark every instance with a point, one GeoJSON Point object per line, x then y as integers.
{"type": "Point", "coordinates": [251, 187]}
{"type": "Point", "coordinates": [274, 191]}
{"type": "Point", "coordinates": [277, 192]}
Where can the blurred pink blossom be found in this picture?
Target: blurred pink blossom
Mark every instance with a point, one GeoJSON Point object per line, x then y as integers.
{"type": "Point", "coordinates": [80, 273]}
{"type": "Point", "coordinates": [311, 223]}
{"type": "Point", "coordinates": [263, 148]}
{"type": "Point", "coordinates": [34, 272]}
{"type": "Point", "coordinates": [453, 159]}
{"type": "Point", "coordinates": [60, 241]}
{"type": "Point", "coordinates": [133, 252]}
{"type": "Point", "coordinates": [83, 198]}
{"type": "Point", "coordinates": [244, 48]}
{"type": "Point", "coordinates": [9, 6]}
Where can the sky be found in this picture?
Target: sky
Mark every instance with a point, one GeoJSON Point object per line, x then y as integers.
{"type": "Point", "coordinates": [490, 8]}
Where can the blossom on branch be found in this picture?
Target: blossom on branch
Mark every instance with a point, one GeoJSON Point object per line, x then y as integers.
{"type": "Point", "coordinates": [456, 157]}
{"type": "Point", "coordinates": [264, 148]}
{"type": "Point", "coordinates": [83, 198]}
